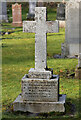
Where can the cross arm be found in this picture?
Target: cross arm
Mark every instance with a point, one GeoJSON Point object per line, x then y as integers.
{"type": "Point", "coordinates": [29, 26]}
{"type": "Point", "coordinates": [52, 26]}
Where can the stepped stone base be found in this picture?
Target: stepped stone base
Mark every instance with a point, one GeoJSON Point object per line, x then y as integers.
{"type": "Point", "coordinates": [44, 74]}
{"type": "Point", "coordinates": [39, 107]}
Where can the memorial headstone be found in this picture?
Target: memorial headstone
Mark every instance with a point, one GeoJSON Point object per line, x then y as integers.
{"type": "Point", "coordinates": [40, 3]}
{"type": "Point", "coordinates": [3, 12]}
{"type": "Point", "coordinates": [40, 88]}
{"type": "Point", "coordinates": [17, 15]}
{"type": "Point", "coordinates": [72, 43]}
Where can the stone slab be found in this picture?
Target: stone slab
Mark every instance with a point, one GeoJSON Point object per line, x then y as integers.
{"type": "Point", "coordinates": [42, 90]}
{"type": "Point", "coordinates": [39, 107]}
{"type": "Point", "coordinates": [45, 74]}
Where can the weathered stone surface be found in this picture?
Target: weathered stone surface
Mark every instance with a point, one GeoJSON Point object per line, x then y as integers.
{"type": "Point", "coordinates": [3, 12]}
{"type": "Point", "coordinates": [17, 15]}
{"type": "Point", "coordinates": [39, 107]}
{"type": "Point", "coordinates": [40, 88]}
{"type": "Point", "coordinates": [73, 27]}
{"type": "Point", "coordinates": [45, 74]}
{"type": "Point", "coordinates": [34, 89]}
{"type": "Point", "coordinates": [40, 26]}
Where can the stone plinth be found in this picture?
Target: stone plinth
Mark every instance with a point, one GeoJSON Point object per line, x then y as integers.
{"type": "Point", "coordinates": [42, 90]}
{"type": "Point", "coordinates": [40, 95]}
{"type": "Point", "coordinates": [17, 15]}
{"type": "Point", "coordinates": [41, 74]}
{"type": "Point", "coordinates": [39, 107]}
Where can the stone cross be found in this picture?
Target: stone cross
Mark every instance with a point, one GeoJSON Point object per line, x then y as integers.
{"type": "Point", "coordinates": [40, 27]}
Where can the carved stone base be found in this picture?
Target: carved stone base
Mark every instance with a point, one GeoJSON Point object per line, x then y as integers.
{"type": "Point", "coordinates": [41, 90]}
{"type": "Point", "coordinates": [39, 107]}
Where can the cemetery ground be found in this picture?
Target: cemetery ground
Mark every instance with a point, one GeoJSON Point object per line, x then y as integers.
{"type": "Point", "coordinates": [18, 53]}
{"type": "Point", "coordinates": [18, 57]}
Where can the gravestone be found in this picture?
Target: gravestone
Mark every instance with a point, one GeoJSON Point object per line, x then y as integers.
{"type": "Point", "coordinates": [32, 6]}
{"type": "Point", "coordinates": [78, 68]}
{"type": "Point", "coordinates": [40, 3]}
{"type": "Point", "coordinates": [40, 88]}
{"type": "Point", "coordinates": [3, 12]}
{"type": "Point", "coordinates": [17, 15]}
{"type": "Point", "coordinates": [72, 45]}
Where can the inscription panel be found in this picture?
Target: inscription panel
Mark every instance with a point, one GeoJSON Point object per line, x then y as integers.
{"type": "Point", "coordinates": [40, 90]}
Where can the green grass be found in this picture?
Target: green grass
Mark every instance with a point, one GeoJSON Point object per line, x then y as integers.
{"type": "Point", "coordinates": [18, 57]}
{"type": "Point", "coordinates": [18, 53]}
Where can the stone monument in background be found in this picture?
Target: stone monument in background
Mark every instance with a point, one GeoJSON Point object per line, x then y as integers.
{"type": "Point", "coordinates": [40, 88]}
{"type": "Point", "coordinates": [32, 6]}
{"type": "Point", "coordinates": [3, 12]}
{"type": "Point", "coordinates": [72, 45]}
{"type": "Point", "coordinates": [17, 15]}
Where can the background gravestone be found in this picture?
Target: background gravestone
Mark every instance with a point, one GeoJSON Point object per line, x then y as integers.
{"type": "Point", "coordinates": [40, 88]}
{"type": "Point", "coordinates": [72, 45]}
{"type": "Point", "coordinates": [17, 15]}
{"type": "Point", "coordinates": [32, 6]}
{"type": "Point", "coordinates": [3, 12]}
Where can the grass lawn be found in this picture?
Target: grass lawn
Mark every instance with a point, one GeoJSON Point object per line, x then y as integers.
{"type": "Point", "coordinates": [18, 52]}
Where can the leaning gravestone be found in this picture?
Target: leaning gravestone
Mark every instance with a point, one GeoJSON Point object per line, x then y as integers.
{"type": "Point", "coordinates": [40, 88]}
{"type": "Point", "coordinates": [3, 12]}
{"type": "Point", "coordinates": [72, 45]}
{"type": "Point", "coordinates": [17, 15]}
